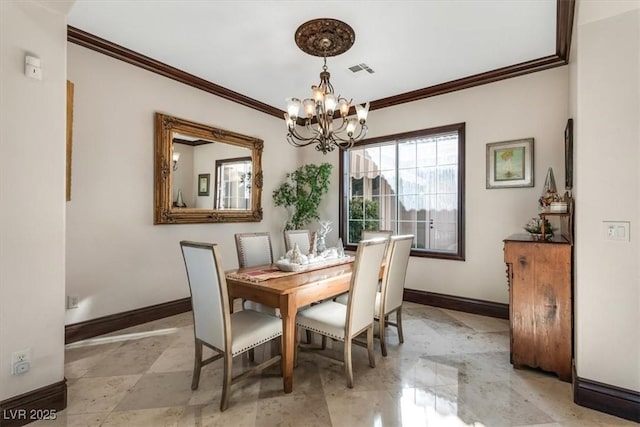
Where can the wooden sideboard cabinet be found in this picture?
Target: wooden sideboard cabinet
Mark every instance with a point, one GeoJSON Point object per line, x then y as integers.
{"type": "Point", "coordinates": [540, 306]}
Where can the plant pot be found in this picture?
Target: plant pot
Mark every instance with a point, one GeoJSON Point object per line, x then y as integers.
{"type": "Point", "coordinates": [538, 236]}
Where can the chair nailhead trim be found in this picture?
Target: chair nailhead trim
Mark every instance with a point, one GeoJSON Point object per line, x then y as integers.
{"type": "Point", "coordinates": [322, 333]}
{"type": "Point", "coordinates": [242, 350]}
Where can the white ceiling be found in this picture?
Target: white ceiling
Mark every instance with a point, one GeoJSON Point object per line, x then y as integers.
{"type": "Point", "coordinates": [249, 47]}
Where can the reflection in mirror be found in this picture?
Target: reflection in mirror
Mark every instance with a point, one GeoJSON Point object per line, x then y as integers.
{"type": "Point", "coordinates": [233, 183]}
{"type": "Point", "coordinates": [184, 192]}
{"type": "Point", "coordinates": [197, 157]}
{"type": "Point", "coordinates": [198, 152]}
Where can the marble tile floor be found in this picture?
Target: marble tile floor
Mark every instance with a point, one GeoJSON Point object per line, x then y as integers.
{"type": "Point", "coordinates": [452, 370]}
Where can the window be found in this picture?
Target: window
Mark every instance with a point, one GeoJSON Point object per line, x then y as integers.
{"type": "Point", "coordinates": [233, 183]}
{"type": "Point", "coordinates": [411, 183]}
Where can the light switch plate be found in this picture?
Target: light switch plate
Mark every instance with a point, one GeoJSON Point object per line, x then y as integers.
{"type": "Point", "coordinates": [617, 230]}
{"type": "Point", "coordinates": [73, 301]}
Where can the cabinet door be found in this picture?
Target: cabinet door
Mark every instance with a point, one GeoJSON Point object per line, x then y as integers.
{"type": "Point", "coordinates": [540, 306]}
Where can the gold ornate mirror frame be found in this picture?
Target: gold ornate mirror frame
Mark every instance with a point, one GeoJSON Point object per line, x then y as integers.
{"type": "Point", "coordinates": [165, 211]}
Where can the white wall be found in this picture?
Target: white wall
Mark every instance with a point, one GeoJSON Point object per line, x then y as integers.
{"type": "Point", "coordinates": [117, 260]}
{"type": "Point", "coordinates": [32, 194]}
{"type": "Point", "coordinates": [607, 108]}
{"type": "Point", "coordinates": [534, 105]}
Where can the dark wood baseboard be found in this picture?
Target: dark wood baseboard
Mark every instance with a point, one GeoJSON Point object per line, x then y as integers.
{"type": "Point", "coordinates": [613, 400]}
{"type": "Point", "coordinates": [451, 302]}
{"type": "Point", "coordinates": [41, 404]}
{"type": "Point", "coordinates": [114, 322]}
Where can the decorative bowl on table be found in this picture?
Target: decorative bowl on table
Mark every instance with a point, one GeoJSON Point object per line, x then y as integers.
{"type": "Point", "coordinates": [294, 261]}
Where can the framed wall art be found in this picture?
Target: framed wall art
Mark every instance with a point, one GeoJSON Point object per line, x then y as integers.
{"type": "Point", "coordinates": [510, 164]}
{"type": "Point", "coordinates": [568, 155]}
{"type": "Point", "coordinates": [203, 184]}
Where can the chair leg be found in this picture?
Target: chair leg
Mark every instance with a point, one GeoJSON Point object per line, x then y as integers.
{"type": "Point", "coordinates": [372, 360]}
{"type": "Point", "coordinates": [226, 382]}
{"type": "Point", "coordinates": [282, 356]}
{"type": "Point", "coordinates": [399, 324]}
{"type": "Point", "coordinates": [348, 369]}
{"type": "Point", "coordinates": [323, 344]}
{"type": "Point", "coordinates": [252, 355]}
{"type": "Point", "coordinates": [295, 347]}
{"type": "Point", "coordinates": [276, 346]}
{"type": "Point", "coordinates": [197, 366]}
{"type": "Point", "coordinates": [308, 336]}
{"type": "Point", "coordinates": [382, 332]}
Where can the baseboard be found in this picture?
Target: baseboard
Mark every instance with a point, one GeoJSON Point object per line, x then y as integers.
{"type": "Point", "coordinates": [114, 322]}
{"type": "Point", "coordinates": [41, 404]}
{"type": "Point", "coordinates": [451, 302]}
{"type": "Point", "coordinates": [613, 400]}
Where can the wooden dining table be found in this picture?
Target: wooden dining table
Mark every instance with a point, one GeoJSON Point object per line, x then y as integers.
{"type": "Point", "coordinates": [289, 291]}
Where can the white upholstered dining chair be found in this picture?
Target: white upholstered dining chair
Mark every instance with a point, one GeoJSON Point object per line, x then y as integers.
{"type": "Point", "coordinates": [389, 298]}
{"type": "Point", "coordinates": [300, 237]}
{"type": "Point", "coordinates": [376, 234]}
{"type": "Point", "coordinates": [253, 249]}
{"type": "Point", "coordinates": [227, 334]}
{"type": "Point", "coordinates": [345, 322]}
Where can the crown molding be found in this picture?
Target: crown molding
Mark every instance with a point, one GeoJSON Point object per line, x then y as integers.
{"type": "Point", "coordinates": [564, 27]}
{"type": "Point", "coordinates": [82, 38]}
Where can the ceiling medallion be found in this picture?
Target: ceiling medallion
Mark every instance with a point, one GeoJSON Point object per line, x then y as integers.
{"type": "Point", "coordinates": [312, 121]}
{"type": "Point", "coordinates": [325, 37]}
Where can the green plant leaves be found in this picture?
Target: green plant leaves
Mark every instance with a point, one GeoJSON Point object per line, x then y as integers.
{"type": "Point", "coordinates": [302, 193]}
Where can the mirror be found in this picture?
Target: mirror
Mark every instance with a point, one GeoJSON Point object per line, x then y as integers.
{"type": "Point", "coordinates": [187, 156]}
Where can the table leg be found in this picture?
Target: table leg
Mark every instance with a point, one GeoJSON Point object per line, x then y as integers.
{"type": "Point", "coordinates": [288, 312]}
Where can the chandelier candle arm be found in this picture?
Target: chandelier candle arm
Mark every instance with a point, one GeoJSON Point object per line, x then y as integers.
{"type": "Point", "coordinates": [325, 37]}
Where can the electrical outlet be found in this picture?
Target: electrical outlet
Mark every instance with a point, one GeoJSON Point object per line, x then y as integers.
{"type": "Point", "coordinates": [73, 301]}
{"type": "Point", "coordinates": [20, 362]}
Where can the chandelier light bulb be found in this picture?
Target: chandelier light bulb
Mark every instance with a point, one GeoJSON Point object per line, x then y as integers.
{"type": "Point", "coordinates": [343, 106]}
{"type": "Point", "coordinates": [293, 108]}
{"type": "Point", "coordinates": [310, 107]}
{"type": "Point", "coordinates": [318, 93]}
{"type": "Point", "coordinates": [330, 103]}
{"type": "Point", "coordinates": [351, 127]}
{"type": "Point", "coordinates": [362, 111]}
{"type": "Point", "coordinates": [288, 120]}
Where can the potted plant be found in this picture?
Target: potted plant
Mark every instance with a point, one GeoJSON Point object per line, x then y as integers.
{"type": "Point", "coordinates": [534, 227]}
{"type": "Point", "coordinates": [302, 192]}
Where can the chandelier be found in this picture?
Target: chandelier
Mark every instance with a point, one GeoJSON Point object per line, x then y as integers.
{"type": "Point", "coordinates": [325, 37]}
